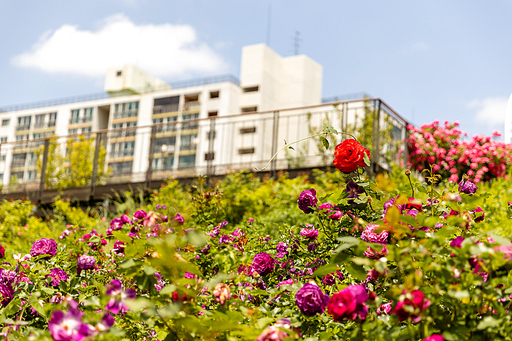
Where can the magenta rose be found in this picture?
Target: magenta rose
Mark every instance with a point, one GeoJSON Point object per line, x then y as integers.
{"type": "Point", "coordinates": [263, 263]}
{"type": "Point", "coordinates": [44, 246]}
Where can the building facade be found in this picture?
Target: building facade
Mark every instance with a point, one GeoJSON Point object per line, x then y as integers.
{"type": "Point", "coordinates": [149, 124]}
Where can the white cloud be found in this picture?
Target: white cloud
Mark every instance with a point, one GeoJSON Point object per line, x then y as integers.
{"type": "Point", "coordinates": [490, 110]}
{"type": "Point", "coordinates": [161, 50]}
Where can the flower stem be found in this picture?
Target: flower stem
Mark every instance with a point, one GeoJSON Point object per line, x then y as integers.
{"type": "Point", "coordinates": [303, 139]}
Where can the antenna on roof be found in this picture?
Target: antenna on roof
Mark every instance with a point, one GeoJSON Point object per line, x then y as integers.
{"type": "Point", "coordinates": [268, 23]}
{"type": "Point", "coordinates": [296, 42]}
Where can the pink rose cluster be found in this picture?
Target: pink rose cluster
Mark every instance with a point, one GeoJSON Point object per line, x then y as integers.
{"type": "Point", "coordinates": [482, 158]}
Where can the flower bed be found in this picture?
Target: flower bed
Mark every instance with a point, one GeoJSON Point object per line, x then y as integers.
{"type": "Point", "coordinates": [352, 259]}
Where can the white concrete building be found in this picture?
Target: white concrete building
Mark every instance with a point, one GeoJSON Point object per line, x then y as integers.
{"type": "Point", "coordinates": [267, 82]}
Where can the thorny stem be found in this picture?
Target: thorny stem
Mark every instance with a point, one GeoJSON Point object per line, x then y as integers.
{"type": "Point", "coordinates": [303, 139]}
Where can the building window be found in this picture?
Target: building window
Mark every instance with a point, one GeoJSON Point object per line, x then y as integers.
{"type": "Point", "coordinates": [6, 122]}
{"type": "Point", "coordinates": [249, 109]}
{"type": "Point", "coordinates": [186, 161]}
{"type": "Point", "coordinates": [3, 139]}
{"type": "Point", "coordinates": [188, 142]}
{"type": "Point", "coordinates": [214, 94]}
{"type": "Point", "coordinates": [128, 109]}
{"type": "Point", "coordinates": [166, 104]}
{"type": "Point", "coordinates": [243, 151]}
{"type": "Point", "coordinates": [119, 73]}
{"type": "Point", "coordinates": [209, 156]}
{"type": "Point", "coordinates": [253, 88]}
{"type": "Point", "coordinates": [213, 113]}
{"type": "Point", "coordinates": [247, 130]}
{"type": "Point", "coordinates": [164, 163]}
{"type": "Point", "coordinates": [122, 149]}
{"type": "Point", "coordinates": [22, 137]}
{"type": "Point", "coordinates": [17, 176]}
{"type": "Point", "coordinates": [52, 119]}
{"type": "Point", "coordinates": [1, 176]}
{"type": "Point", "coordinates": [2, 157]}
{"type": "Point", "coordinates": [191, 125]}
{"type": "Point", "coordinates": [24, 123]}
{"type": "Point", "coordinates": [119, 168]}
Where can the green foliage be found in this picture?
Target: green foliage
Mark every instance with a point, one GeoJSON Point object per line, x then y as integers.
{"type": "Point", "coordinates": [73, 168]}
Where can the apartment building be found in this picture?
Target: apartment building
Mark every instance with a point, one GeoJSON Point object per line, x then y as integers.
{"type": "Point", "coordinates": [135, 102]}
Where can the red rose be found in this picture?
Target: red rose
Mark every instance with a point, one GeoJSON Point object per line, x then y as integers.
{"type": "Point", "coordinates": [348, 155]}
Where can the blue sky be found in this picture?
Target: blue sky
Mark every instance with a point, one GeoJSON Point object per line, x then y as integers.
{"type": "Point", "coordinates": [446, 60]}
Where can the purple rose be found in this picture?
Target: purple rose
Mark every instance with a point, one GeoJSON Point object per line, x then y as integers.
{"type": "Point", "coordinates": [467, 187]}
{"type": "Point", "coordinates": [330, 279]}
{"type": "Point", "coordinates": [309, 233]}
{"type": "Point", "coordinates": [85, 263]}
{"type": "Point", "coordinates": [479, 217]}
{"type": "Point", "coordinates": [457, 242]}
{"type": "Point", "coordinates": [2, 252]}
{"type": "Point", "coordinates": [8, 276]}
{"type": "Point", "coordinates": [44, 246]}
{"type": "Point", "coordinates": [311, 300]}
{"type": "Point", "coordinates": [57, 275]}
{"type": "Point", "coordinates": [118, 247]}
{"type": "Point", "coordinates": [69, 326]}
{"type": "Point", "coordinates": [140, 214]}
{"type": "Point", "coordinates": [179, 219]}
{"type": "Point", "coordinates": [307, 200]}
{"type": "Point", "coordinates": [224, 239]}
{"type": "Point", "coordinates": [125, 219]}
{"type": "Point", "coordinates": [353, 191]}
{"type": "Point", "coordinates": [116, 224]}
{"type": "Point", "coordinates": [281, 250]}
{"type": "Point", "coordinates": [6, 294]}
{"type": "Point", "coordinates": [263, 263]}
{"type": "Point", "coordinates": [116, 303]}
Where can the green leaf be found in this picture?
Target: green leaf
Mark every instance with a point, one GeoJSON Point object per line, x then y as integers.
{"type": "Point", "coordinates": [34, 302]}
{"type": "Point", "coordinates": [328, 129]}
{"type": "Point", "coordinates": [324, 270]}
{"type": "Point", "coordinates": [262, 322]}
{"type": "Point", "coordinates": [324, 142]}
{"type": "Point", "coordinates": [366, 160]}
{"type": "Point", "coordinates": [127, 264]}
{"type": "Point", "coordinates": [488, 322]}
{"type": "Point", "coordinates": [122, 237]}
{"type": "Point", "coordinates": [356, 271]}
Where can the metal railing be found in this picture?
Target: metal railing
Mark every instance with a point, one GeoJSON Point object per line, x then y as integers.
{"type": "Point", "coordinates": [242, 141]}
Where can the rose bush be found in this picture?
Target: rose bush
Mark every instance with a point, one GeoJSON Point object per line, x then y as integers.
{"type": "Point", "coordinates": [243, 260]}
{"type": "Point", "coordinates": [482, 158]}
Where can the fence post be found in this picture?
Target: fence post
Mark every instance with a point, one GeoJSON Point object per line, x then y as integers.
{"type": "Point", "coordinates": [406, 148]}
{"type": "Point", "coordinates": [377, 139]}
{"type": "Point", "coordinates": [209, 161]}
{"type": "Point", "coordinates": [43, 169]}
{"type": "Point", "coordinates": [149, 173]}
{"type": "Point", "coordinates": [95, 163]}
{"type": "Point", "coordinates": [275, 132]}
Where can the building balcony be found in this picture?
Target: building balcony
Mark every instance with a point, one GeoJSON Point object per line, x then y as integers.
{"type": "Point", "coordinates": [79, 120]}
{"type": "Point", "coordinates": [125, 114]}
{"type": "Point", "coordinates": [193, 105]}
{"type": "Point", "coordinates": [161, 109]}
{"type": "Point", "coordinates": [23, 127]}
